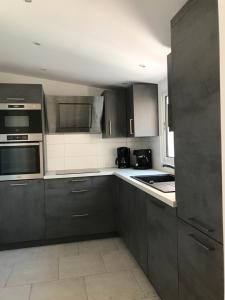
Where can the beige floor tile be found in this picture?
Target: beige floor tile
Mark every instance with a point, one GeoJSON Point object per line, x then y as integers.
{"type": "Point", "coordinates": [98, 246]}
{"type": "Point", "coordinates": [56, 251]}
{"type": "Point", "coordinates": [67, 289]}
{"type": "Point", "coordinates": [15, 293]}
{"type": "Point", "coordinates": [113, 286]}
{"type": "Point", "coordinates": [144, 283]}
{"type": "Point", "coordinates": [10, 257]}
{"type": "Point", "coordinates": [38, 270]}
{"type": "Point", "coordinates": [120, 244]}
{"type": "Point", "coordinates": [80, 265]}
{"type": "Point", "coordinates": [119, 260]}
{"type": "Point", "coordinates": [4, 274]}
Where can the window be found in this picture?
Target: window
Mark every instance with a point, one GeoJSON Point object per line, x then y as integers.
{"type": "Point", "coordinates": [167, 135]}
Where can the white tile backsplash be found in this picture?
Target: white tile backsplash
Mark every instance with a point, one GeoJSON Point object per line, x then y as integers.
{"type": "Point", "coordinates": [80, 151]}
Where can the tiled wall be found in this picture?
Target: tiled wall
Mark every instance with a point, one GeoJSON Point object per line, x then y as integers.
{"type": "Point", "coordinates": [78, 151]}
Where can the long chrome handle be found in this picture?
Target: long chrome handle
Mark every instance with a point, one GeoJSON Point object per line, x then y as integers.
{"type": "Point", "coordinates": [80, 216]}
{"type": "Point", "coordinates": [131, 129]}
{"type": "Point", "coordinates": [110, 128]}
{"type": "Point", "coordinates": [198, 242]}
{"type": "Point", "coordinates": [16, 99]}
{"type": "Point", "coordinates": [79, 191]}
{"type": "Point", "coordinates": [18, 184]}
{"type": "Point", "coordinates": [78, 180]}
{"type": "Point", "coordinates": [200, 225]}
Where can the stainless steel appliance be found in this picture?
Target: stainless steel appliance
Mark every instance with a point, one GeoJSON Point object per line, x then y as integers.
{"type": "Point", "coordinates": [21, 141]}
{"type": "Point", "coordinates": [21, 160]}
{"type": "Point", "coordinates": [20, 120]}
{"type": "Point", "coordinates": [123, 157]}
{"type": "Point", "coordinates": [143, 159]}
{"type": "Point", "coordinates": [74, 114]}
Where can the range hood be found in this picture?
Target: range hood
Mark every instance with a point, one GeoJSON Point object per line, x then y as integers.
{"type": "Point", "coordinates": [73, 114]}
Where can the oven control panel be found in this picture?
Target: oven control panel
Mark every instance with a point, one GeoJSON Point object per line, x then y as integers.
{"type": "Point", "coordinates": [19, 137]}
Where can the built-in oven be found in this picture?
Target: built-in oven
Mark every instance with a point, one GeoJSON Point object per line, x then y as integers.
{"type": "Point", "coordinates": [20, 119]}
{"type": "Point", "coordinates": [21, 160]}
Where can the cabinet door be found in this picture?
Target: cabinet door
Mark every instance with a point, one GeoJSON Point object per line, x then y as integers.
{"type": "Point", "coordinates": [170, 106]}
{"type": "Point", "coordinates": [200, 265]}
{"type": "Point", "coordinates": [138, 228]}
{"type": "Point", "coordinates": [162, 249]}
{"type": "Point", "coordinates": [130, 113]}
{"type": "Point", "coordinates": [114, 114]}
{"type": "Point", "coordinates": [21, 211]}
{"type": "Point", "coordinates": [196, 113]}
{"type": "Point", "coordinates": [22, 92]}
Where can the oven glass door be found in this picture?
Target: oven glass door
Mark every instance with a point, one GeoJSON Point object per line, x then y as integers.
{"type": "Point", "coordinates": [19, 159]}
{"type": "Point", "coordinates": [20, 121]}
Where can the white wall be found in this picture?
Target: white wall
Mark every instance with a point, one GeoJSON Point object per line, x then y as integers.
{"type": "Point", "coordinates": [74, 151]}
{"type": "Point", "coordinates": [222, 98]}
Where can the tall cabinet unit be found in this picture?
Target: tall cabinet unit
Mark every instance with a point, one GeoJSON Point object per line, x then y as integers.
{"type": "Point", "coordinates": [196, 121]}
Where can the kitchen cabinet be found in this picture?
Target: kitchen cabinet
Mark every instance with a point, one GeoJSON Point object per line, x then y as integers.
{"type": "Point", "coordinates": [22, 216]}
{"type": "Point", "coordinates": [142, 110]}
{"type": "Point", "coordinates": [162, 248]}
{"type": "Point", "coordinates": [200, 265]}
{"type": "Point", "coordinates": [170, 97]}
{"type": "Point", "coordinates": [114, 114]}
{"type": "Point", "coordinates": [196, 116]}
{"type": "Point", "coordinates": [132, 220]}
{"type": "Point", "coordinates": [21, 92]}
{"type": "Point", "coordinates": [79, 206]}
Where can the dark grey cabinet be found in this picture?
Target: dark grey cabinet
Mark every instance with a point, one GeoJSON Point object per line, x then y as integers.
{"type": "Point", "coordinates": [142, 110]}
{"type": "Point", "coordinates": [162, 248]}
{"type": "Point", "coordinates": [22, 216]}
{"type": "Point", "coordinates": [196, 116]}
{"type": "Point", "coordinates": [79, 206]}
{"type": "Point", "coordinates": [132, 220]}
{"type": "Point", "coordinates": [170, 97]}
{"type": "Point", "coordinates": [114, 114]}
{"type": "Point", "coordinates": [21, 92]}
{"type": "Point", "coordinates": [200, 265]}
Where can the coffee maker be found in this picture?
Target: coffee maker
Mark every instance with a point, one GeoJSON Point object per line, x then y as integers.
{"type": "Point", "coordinates": [143, 159]}
{"type": "Point", "coordinates": [123, 157]}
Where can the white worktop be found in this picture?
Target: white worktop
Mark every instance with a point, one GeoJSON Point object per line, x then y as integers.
{"type": "Point", "coordinates": [125, 174]}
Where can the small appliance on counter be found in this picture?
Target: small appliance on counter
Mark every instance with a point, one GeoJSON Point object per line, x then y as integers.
{"type": "Point", "coordinates": [123, 157]}
{"type": "Point", "coordinates": [143, 159]}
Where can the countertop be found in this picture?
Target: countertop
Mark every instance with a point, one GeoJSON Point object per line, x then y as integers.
{"type": "Point", "coordinates": [125, 174]}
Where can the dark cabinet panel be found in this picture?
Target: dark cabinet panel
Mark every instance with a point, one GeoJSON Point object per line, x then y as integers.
{"type": "Point", "coordinates": [21, 92]}
{"type": "Point", "coordinates": [114, 116]}
{"type": "Point", "coordinates": [162, 248]}
{"type": "Point", "coordinates": [170, 97]}
{"type": "Point", "coordinates": [142, 110]}
{"type": "Point", "coordinates": [196, 116]}
{"type": "Point", "coordinates": [21, 211]}
{"type": "Point", "coordinates": [200, 265]}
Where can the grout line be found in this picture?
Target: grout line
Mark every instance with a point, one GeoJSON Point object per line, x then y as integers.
{"type": "Point", "coordinates": [10, 273]}
{"type": "Point", "coordinates": [85, 287]}
{"type": "Point", "coordinates": [31, 286]}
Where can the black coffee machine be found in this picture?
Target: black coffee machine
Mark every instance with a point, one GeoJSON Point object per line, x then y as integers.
{"type": "Point", "coordinates": [143, 159]}
{"type": "Point", "coordinates": [123, 157]}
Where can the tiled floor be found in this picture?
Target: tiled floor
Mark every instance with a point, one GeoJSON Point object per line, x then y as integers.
{"type": "Point", "coordinates": [92, 270]}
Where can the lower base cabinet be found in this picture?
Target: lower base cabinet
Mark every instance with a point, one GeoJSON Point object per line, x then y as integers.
{"type": "Point", "coordinates": [200, 265]}
{"type": "Point", "coordinates": [22, 211]}
{"type": "Point", "coordinates": [162, 249]}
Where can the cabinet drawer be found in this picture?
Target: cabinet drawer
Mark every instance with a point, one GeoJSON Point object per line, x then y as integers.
{"type": "Point", "coordinates": [200, 262]}
{"type": "Point", "coordinates": [68, 184]}
{"type": "Point", "coordinates": [80, 224]}
{"type": "Point", "coordinates": [61, 204]}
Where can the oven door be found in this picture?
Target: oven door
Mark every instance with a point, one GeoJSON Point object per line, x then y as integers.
{"type": "Point", "coordinates": [21, 161]}
{"type": "Point", "coordinates": [18, 120]}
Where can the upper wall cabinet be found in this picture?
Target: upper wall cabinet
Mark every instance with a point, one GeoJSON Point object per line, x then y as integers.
{"type": "Point", "coordinates": [169, 76]}
{"type": "Point", "coordinates": [142, 110]}
{"type": "Point", "coordinates": [114, 114]}
{"type": "Point", "coordinates": [21, 92]}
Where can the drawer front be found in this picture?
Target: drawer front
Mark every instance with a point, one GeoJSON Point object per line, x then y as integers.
{"type": "Point", "coordinates": [80, 225]}
{"type": "Point", "coordinates": [200, 261]}
{"type": "Point", "coordinates": [61, 204]}
{"type": "Point", "coordinates": [68, 183]}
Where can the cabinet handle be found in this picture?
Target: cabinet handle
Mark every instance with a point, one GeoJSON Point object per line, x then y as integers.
{"type": "Point", "coordinates": [78, 180]}
{"type": "Point", "coordinates": [80, 216]}
{"type": "Point", "coordinates": [18, 184]}
{"type": "Point", "coordinates": [15, 99]}
{"type": "Point", "coordinates": [110, 128]}
{"type": "Point", "coordinates": [198, 242]}
{"type": "Point", "coordinates": [200, 225]}
{"type": "Point", "coordinates": [131, 128]}
{"type": "Point", "coordinates": [79, 191]}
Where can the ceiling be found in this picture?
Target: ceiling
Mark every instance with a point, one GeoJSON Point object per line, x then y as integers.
{"type": "Point", "coordinates": [97, 42]}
